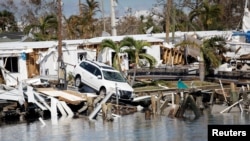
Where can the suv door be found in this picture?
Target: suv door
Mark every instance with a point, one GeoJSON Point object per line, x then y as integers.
{"type": "Point", "coordinates": [97, 78]}
{"type": "Point", "coordinates": [91, 78]}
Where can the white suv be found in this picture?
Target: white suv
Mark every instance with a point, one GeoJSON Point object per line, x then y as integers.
{"type": "Point", "coordinates": [102, 78]}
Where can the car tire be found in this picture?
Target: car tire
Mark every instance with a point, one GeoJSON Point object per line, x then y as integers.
{"type": "Point", "coordinates": [102, 91]}
{"type": "Point", "coordinates": [78, 82]}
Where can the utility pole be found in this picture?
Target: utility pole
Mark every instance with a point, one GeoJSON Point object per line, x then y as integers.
{"type": "Point", "coordinates": [59, 48]}
{"type": "Point", "coordinates": [103, 16]}
{"type": "Point", "coordinates": [80, 8]}
{"type": "Point", "coordinates": [61, 65]}
{"type": "Point", "coordinates": [167, 12]}
{"type": "Point", "coordinates": [173, 19]}
{"type": "Point", "coordinates": [113, 26]}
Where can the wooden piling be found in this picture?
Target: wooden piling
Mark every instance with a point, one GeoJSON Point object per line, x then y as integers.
{"type": "Point", "coordinates": [158, 104]}
{"type": "Point", "coordinates": [177, 98]}
{"type": "Point", "coordinates": [199, 102]}
{"type": "Point", "coordinates": [181, 109]}
{"type": "Point", "coordinates": [147, 114]}
{"type": "Point", "coordinates": [212, 98]}
{"type": "Point", "coordinates": [234, 97]}
{"type": "Point", "coordinates": [104, 111]}
{"type": "Point", "coordinates": [188, 101]}
{"type": "Point", "coordinates": [109, 116]}
{"type": "Point", "coordinates": [194, 107]}
{"type": "Point", "coordinates": [90, 103]}
{"type": "Point", "coordinates": [173, 111]}
{"type": "Point", "coordinates": [153, 104]}
{"type": "Point", "coordinates": [163, 106]}
{"type": "Point", "coordinates": [246, 100]}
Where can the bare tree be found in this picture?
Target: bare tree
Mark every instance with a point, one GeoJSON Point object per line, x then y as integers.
{"type": "Point", "coordinates": [28, 11]}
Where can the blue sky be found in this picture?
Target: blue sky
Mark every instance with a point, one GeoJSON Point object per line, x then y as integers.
{"type": "Point", "coordinates": [70, 7]}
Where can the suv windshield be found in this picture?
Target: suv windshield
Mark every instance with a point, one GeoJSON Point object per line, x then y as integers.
{"type": "Point", "coordinates": [113, 76]}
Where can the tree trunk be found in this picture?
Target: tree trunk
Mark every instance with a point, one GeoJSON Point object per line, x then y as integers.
{"type": "Point", "coordinates": [134, 74]}
{"type": "Point", "coordinates": [201, 66]}
{"type": "Point", "coordinates": [201, 70]}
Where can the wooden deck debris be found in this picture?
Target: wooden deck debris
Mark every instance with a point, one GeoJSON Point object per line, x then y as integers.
{"type": "Point", "coordinates": [98, 107]}
{"type": "Point", "coordinates": [168, 102]}
{"type": "Point", "coordinates": [68, 96]}
{"type": "Point", "coordinates": [92, 100]}
{"type": "Point", "coordinates": [230, 107]}
{"type": "Point", "coordinates": [123, 109]}
{"type": "Point", "coordinates": [237, 100]}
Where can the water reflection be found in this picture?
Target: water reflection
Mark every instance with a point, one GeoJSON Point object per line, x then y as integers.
{"type": "Point", "coordinates": [132, 127]}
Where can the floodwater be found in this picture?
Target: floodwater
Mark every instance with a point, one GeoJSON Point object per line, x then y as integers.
{"type": "Point", "coordinates": [133, 127]}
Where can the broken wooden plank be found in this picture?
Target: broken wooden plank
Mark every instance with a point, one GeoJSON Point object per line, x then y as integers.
{"type": "Point", "coordinates": [67, 96]}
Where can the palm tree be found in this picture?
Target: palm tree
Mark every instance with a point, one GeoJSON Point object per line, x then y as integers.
{"type": "Point", "coordinates": [74, 25]}
{"type": "Point", "coordinates": [108, 43]}
{"type": "Point", "coordinates": [69, 27]}
{"type": "Point", "coordinates": [211, 53]}
{"type": "Point", "coordinates": [45, 29]}
{"type": "Point", "coordinates": [213, 50]}
{"type": "Point", "coordinates": [135, 52]}
{"type": "Point", "coordinates": [206, 14]}
{"type": "Point", "coordinates": [89, 10]}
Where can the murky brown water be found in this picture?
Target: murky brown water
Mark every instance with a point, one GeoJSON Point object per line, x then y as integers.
{"type": "Point", "coordinates": [132, 127]}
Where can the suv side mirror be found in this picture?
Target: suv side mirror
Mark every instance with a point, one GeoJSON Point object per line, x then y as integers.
{"type": "Point", "coordinates": [99, 76]}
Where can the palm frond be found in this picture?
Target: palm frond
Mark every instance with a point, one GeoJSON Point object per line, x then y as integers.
{"type": "Point", "coordinates": [151, 59]}
{"type": "Point", "coordinates": [108, 43]}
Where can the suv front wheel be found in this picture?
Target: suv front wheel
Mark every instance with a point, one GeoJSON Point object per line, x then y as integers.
{"type": "Point", "coordinates": [78, 82]}
{"type": "Point", "coordinates": [102, 91]}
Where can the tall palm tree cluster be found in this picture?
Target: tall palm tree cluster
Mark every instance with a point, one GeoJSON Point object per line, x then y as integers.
{"type": "Point", "coordinates": [134, 48]}
{"type": "Point", "coordinates": [44, 29]}
{"type": "Point", "coordinates": [82, 25]}
{"type": "Point", "coordinates": [206, 16]}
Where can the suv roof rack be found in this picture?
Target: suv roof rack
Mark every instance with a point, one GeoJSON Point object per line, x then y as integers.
{"type": "Point", "coordinates": [101, 66]}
